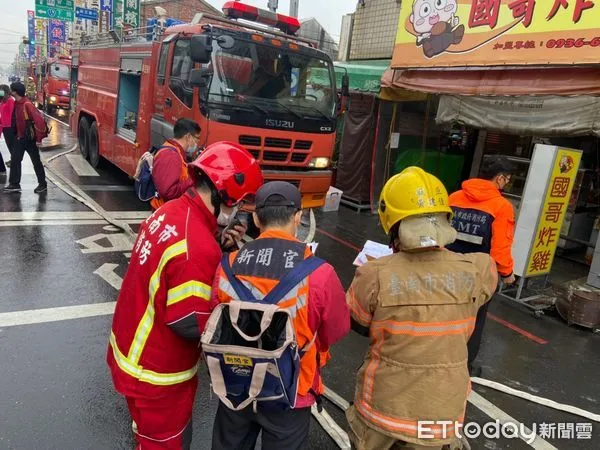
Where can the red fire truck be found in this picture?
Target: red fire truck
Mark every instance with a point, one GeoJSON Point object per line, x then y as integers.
{"type": "Point", "coordinates": [54, 86]}
{"type": "Point", "coordinates": [242, 82]}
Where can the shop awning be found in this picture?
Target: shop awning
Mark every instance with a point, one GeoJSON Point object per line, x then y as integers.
{"type": "Point", "coordinates": [559, 81]}
{"type": "Point", "coordinates": [365, 76]}
{"type": "Point", "coordinates": [525, 115]}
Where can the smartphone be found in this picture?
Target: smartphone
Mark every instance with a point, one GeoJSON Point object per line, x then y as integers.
{"type": "Point", "coordinates": [240, 218]}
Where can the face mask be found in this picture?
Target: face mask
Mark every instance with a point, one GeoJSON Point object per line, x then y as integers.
{"type": "Point", "coordinates": [2, 95]}
{"type": "Point", "coordinates": [190, 151]}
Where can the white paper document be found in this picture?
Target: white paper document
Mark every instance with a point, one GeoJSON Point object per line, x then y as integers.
{"type": "Point", "coordinates": [372, 250]}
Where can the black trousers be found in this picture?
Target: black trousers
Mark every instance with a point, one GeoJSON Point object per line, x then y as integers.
{"type": "Point", "coordinates": [239, 430]}
{"type": "Point", "coordinates": [10, 139]}
{"type": "Point", "coordinates": [2, 165]}
{"type": "Point", "coordinates": [21, 147]}
{"type": "Point", "coordinates": [475, 340]}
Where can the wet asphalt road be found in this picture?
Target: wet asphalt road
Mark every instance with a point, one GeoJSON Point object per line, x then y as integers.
{"type": "Point", "coordinates": [55, 390]}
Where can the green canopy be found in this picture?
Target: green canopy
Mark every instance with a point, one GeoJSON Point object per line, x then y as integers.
{"type": "Point", "coordinates": [365, 76]}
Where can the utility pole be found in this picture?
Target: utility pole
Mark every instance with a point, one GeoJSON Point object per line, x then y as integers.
{"type": "Point", "coordinates": [294, 8]}
{"type": "Point", "coordinates": [274, 4]}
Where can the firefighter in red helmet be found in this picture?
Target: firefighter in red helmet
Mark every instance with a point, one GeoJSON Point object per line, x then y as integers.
{"type": "Point", "coordinates": [163, 304]}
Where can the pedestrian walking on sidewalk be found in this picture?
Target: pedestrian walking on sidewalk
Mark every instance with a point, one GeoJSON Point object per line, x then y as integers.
{"type": "Point", "coordinates": [418, 307]}
{"type": "Point", "coordinates": [274, 272]}
{"type": "Point", "coordinates": [25, 111]}
{"type": "Point", "coordinates": [7, 105]}
{"type": "Point", "coordinates": [485, 222]}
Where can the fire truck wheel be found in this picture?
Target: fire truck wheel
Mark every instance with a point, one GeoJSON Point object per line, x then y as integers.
{"type": "Point", "coordinates": [84, 134]}
{"type": "Point", "coordinates": [93, 146]}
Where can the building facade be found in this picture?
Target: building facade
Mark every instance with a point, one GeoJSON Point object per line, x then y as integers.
{"type": "Point", "coordinates": [184, 10]}
{"type": "Point", "coordinates": [374, 29]}
{"type": "Point", "coordinates": [313, 30]}
{"type": "Point", "coordinates": [345, 37]}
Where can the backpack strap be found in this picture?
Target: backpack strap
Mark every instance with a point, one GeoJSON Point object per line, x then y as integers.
{"type": "Point", "coordinates": [240, 288]}
{"type": "Point", "coordinates": [291, 280]}
{"type": "Point", "coordinates": [166, 147]}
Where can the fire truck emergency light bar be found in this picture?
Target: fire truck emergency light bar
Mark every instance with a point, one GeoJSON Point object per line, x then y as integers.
{"type": "Point", "coordinates": [239, 10]}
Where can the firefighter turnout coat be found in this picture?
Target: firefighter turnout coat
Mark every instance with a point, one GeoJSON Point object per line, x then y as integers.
{"type": "Point", "coordinates": [420, 309]}
{"type": "Point", "coordinates": [164, 301]}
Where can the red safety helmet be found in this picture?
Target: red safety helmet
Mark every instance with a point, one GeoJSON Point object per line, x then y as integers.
{"type": "Point", "coordinates": [232, 169]}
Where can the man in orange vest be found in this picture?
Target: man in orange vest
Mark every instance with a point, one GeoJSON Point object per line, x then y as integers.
{"type": "Point", "coordinates": [170, 164]}
{"type": "Point", "coordinates": [418, 307]}
{"type": "Point", "coordinates": [317, 305]}
{"type": "Point", "coordinates": [163, 305]}
{"type": "Point", "coordinates": [485, 222]}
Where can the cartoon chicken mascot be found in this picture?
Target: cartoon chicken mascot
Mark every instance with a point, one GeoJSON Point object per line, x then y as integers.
{"type": "Point", "coordinates": [436, 25]}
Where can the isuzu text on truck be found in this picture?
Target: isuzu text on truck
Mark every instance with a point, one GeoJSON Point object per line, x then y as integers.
{"type": "Point", "coordinates": [241, 82]}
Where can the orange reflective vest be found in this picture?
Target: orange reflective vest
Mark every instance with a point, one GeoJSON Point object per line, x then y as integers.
{"type": "Point", "coordinates": [260, 265]}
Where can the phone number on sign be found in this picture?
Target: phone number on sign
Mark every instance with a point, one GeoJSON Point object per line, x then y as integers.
{"type": "Point", "coordinates": [572, 43]}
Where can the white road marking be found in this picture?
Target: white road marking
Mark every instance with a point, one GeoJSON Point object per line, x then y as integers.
{"type": "Point", "coordinates": [81, 166]}
{"type": "Point", "coordinates": [107, 273]}
{"type": "Point", "coordinates": [496, 413]}
{"type": "Point", "coordinates": [26, 223]}
{"type": "Point", "coordinates": [71, 215]}
{"type": "Point", "coordinates": [35, 316]}
{"type": "Point", "coordinates": [119, 242]}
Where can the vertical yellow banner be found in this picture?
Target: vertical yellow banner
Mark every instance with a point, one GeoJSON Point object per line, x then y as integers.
{"type": "Point", "coordinates": [553, 214]}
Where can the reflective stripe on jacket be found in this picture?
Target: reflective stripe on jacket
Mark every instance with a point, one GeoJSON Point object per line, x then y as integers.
{"type": "Point", "coordinates": [164, 302]}
{"type": "Point", "coordinates": [485, 222]}
{"type": "Point", "coordinates": [317, 304]}
{"type": "Point", "coordinates": [420, 309]}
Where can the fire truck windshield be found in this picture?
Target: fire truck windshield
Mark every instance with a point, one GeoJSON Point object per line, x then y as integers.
{"type": "Point", "coordinates": [60, 71]}
{"type": "Point", "coordinates": [272, 80]}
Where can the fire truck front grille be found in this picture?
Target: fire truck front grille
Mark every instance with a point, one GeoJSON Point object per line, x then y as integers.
{"type": "Point", "coordinates": [275, 156]}
{"type": "Point", "coordinates": [303, 145]}
{"type": "Point", "coordinates": [255, 153]}
{"type": "Point", "coordinates": [298, 157]}
{"type": "Point", "coordinates": [278, 143]}
{"type": "Point", "coordinates": [252, 141]}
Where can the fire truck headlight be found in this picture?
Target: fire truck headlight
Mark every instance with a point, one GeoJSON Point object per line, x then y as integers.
{"type": "Point", "coordinates": [64, 92]}
{"type": "Point", "coordinates": [319, 163]}
{"type": "Point", "coordinates": [53, 99]}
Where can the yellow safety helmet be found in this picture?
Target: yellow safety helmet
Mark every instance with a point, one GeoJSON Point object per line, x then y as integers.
{"type": "Point", "coordinates": [410, 193]}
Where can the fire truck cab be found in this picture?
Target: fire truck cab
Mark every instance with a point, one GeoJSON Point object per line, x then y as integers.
{"type": "Point", "coordinates": [54, 89]}
{"type": "Point", "coordinates": [241, 82]}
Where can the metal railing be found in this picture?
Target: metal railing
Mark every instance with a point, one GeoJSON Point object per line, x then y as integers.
{"type": "Point", "coordinates": [121, 36]}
